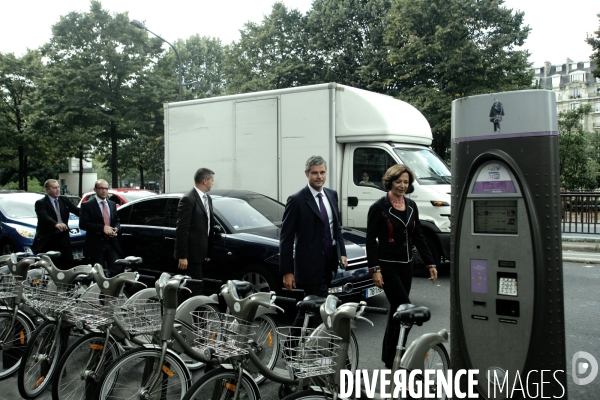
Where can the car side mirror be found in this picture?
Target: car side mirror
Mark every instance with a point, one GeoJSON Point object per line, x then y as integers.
{"type": "Point", "coordinates": [218, 230]}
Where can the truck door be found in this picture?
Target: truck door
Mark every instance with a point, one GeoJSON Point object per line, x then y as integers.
{"type": "Point", "coordinates": [364, 168]}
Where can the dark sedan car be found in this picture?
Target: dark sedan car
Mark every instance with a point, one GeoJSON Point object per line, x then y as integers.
{"type": "Point", "coordinates": [246, 246]}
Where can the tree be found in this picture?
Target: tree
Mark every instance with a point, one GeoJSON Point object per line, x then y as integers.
{"type": "Point", "coordinates": [17, 87]}
{"type": "Point", "coordinates": [442, 50]}
{"type": "Point", "coordinates": [202, 61]}
{"type": "Point", "coordinates": [271, 55]}
{"type": "Point", "coordinates": [576, 166]}
{"type": "Point", "coordinates": [595, 43]}
{"type": "Point", "coordinates": [101, 69]}
{"type": "Point", "coordinates": [346, 42]}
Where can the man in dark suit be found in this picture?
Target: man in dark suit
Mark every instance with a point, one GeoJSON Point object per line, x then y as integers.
{"type": "Point", "coordinates": [311, 221]}
{"type": "Point", "coordinates": [100, 221]}
{"type": "Point", "coordinates": [52, 232]}
{"type": "Point", "coordinates": [195, 228]}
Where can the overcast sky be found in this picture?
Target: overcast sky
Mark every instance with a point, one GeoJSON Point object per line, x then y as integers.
{"type": "Point", "coordinates": [558, 28]}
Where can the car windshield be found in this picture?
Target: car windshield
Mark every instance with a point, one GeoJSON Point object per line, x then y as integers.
{"type": "Point", "coordinates": [240, 215]}
{"type": "Point", "coordinates": [19, 205]}
{"type": "Point", "coordinates": [427, 166]}
{"type": "Point", "coordinates": [134, 195]}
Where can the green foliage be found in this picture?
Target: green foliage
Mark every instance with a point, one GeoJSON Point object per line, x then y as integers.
{"type": "Point", "coordinates": [595, 43]}
{"type": "Point", "coordinates": [576, 151]}
{"type": "Point", "coordinates": [33, 185]}
{"type": "Point", "coordinates": [443, 50]}
{"type": "Point", "coordinates": [101, 80]}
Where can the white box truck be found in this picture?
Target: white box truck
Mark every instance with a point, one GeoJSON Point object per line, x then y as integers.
{"type": "Point", "coordinates": [261, 141]}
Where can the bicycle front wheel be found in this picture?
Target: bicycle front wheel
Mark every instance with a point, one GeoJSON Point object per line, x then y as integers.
{"type": "Point", "coordinates": [267, 345]}
{"type": "Point", "coordinates": [437, 359]}
{"type": "Point", "coordinates": [77, 368]}
{"type": "Point", "coordinates": [221, 384]}
{"type": "Point", "coordinates": [13, 340]}
{"type": "Point", "coordinates": [188, 332]}
{"type": "Point", "coordinates": [39, 360]}
{"type": "Point", "coordinates": [309, 394]}
{"type": "Point", "coordinates": [129, 377]}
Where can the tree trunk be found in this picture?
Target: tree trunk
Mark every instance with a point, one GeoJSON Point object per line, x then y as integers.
{"type": "Point", "coordinates": [80, 194]}
{"type": "Point", "coordinates": [113, 160]}
{"type": "Point", "coordinates": [25, 173]}
{"type": "Point", "coordinates": [21, 175]}
{"type": "Point", "coordinates": [142, 178]}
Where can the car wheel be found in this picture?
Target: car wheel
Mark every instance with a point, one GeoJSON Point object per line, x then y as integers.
{"type": "Point", "coordinates": [7, 247]}
{"type": "Point", "coordinates": [260, 277]}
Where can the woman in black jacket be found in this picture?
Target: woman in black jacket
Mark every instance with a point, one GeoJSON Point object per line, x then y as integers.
{"type": "Point", "coordinates": [393, 227]}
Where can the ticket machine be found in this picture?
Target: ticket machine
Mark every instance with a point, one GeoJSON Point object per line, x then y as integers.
{"type": "Point", "coordinates": [507, 316]}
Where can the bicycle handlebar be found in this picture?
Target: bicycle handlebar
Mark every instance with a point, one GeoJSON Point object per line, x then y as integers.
{"type": "Point", "coordinates": [285, 300]}
{"type": "Point", "coordinates": [376, 310]}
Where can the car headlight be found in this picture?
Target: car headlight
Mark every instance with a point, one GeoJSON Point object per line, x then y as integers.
{"type": "Point", "coordinates": [333, 290]}
{"type": "Point", "coordinates": [26, 233]}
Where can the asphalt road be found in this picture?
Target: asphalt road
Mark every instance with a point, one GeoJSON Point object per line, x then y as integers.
{"type": "Point", "coordinates": [582, 301]}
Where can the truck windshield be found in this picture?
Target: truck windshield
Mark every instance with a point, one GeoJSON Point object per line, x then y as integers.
{"type": "Point", "coordinates": [427, 166]}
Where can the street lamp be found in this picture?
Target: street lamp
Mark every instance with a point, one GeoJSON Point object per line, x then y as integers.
{"type": "Point", "coordinates": [139, 25]}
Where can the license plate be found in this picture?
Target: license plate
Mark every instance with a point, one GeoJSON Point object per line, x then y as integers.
{"type": "Point", "coordinates": [373, 291]}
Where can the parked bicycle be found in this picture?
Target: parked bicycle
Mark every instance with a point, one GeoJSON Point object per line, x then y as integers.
{"type": "Point", "coordinates": [319, 356]}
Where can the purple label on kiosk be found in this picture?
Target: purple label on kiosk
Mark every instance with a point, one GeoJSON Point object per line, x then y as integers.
{"type": "Point", "coordinates": [479, 276]}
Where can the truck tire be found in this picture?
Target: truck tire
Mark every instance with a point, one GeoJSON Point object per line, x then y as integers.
{"type": "Point", "coordinates": [260, 277]}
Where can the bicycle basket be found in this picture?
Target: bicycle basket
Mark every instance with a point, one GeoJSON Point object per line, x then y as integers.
{"type": "Point", "coordinates": [92, 310]}
{"type": "Point", "coordinates": [226, 334]}
{"type": "Point", "coordinates": [47, 296]}
{"type": "Point", "coordinates": [138, 316]}
{"type": "Point", "coordinates": [310, 354]}
{"type": "Point", "coordinates": [8, 286]}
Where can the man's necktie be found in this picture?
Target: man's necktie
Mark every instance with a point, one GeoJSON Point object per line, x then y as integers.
{"type": "Point", "coordinates": [57, 210]}
{"type": "Point", "coordinates": [105, 215]}
{"type": "Point", "coordinates": [205, 202]}
{"type": "Point", "coordinates": [325, 218]}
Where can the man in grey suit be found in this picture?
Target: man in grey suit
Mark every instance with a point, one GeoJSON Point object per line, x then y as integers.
{"type": "Point", "coordinates": [311, 222]}
{"type": "Point", "coordinates": [195, 228]}
{"type": "Point", "coordinates": [52, 231]}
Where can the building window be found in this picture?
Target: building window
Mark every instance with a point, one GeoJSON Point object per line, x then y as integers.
{"type": "Point", "coordinates": [596, 122]}
{"type": "Point", "coordinates": [558, 68]}
{"type": "Point", "coordinates": [573, 66]}
{"type": "Point", "coordinates": [575, 93]}
{"type": "Point", "coordinates": [535, 82]}
{"type": "Point", "coordinates": [586, 64]}
{"type": "Point", "coordinates": [574, 106]}
{"type": "Point", "coordinates": [577, 77]}
{"type": "Point", "coordinates": [556, 81]}
{"type": "Point", "coordinates": [597, 109]}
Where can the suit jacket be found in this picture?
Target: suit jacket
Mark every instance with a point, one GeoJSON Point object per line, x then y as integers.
{"type": "Point", "coordinates": [193, 240]}
{"type": "Point", "coordinates": [390, 238]}
{"type": "Point", "coordinates": [47, 219]}
{"type": "Point", "coordinates": [302, 225]}
{"type": "Point", "coordinates": [92, 222]}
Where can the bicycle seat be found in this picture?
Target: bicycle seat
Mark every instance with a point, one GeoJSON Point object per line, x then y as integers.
{"type": "Point", "coordinates": [310, 303]}
{"type": "Point", "coordinates": [128, 261]}
{"type": "Point", "coordinates": [243, 288]}
{"type": "Point", "coordinates": [412, 314]}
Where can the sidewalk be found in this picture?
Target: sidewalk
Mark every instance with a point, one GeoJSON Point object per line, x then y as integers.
{"type": "Point", "coordinates": [581, 247]}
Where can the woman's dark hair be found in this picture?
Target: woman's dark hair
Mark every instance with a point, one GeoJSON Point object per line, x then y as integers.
{"type": "Point", "coordinates": [394, 173]}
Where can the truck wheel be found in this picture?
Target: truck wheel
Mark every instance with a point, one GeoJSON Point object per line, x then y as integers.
{"type": "Point", "coordinates": [260, 277]}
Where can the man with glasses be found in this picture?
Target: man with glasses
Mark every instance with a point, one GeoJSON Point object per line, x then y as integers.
{"type": "Point", "coordinates": [100, 221]}
{"type": "Point", "coordinates": [52, 232]}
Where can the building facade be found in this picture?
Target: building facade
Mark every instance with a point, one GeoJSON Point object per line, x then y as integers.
{"type": "Point", "coordinates": [574, 85]}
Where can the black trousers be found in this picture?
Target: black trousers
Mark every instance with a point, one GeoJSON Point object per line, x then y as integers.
{"type": "Point", "coordinates": [316, 289]}
{"type": "Point", "coordinates": [194, 271]}
{"type": "Point", "coordinates": [60, 241]}
{"type": "Point", "coordinates": [106, 257]}
{"type": "Point", "coordinates": [397, 279]}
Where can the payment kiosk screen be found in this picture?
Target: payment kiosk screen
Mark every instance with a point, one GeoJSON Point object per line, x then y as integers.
{"type": "Point", "coordinates": [495, 217]}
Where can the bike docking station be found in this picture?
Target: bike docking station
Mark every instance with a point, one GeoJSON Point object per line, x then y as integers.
{"type": "Point", "coordinates": [507, 309]}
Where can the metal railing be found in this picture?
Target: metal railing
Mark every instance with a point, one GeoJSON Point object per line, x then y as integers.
{"type": "Point", "coordinates": [580, 212]}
